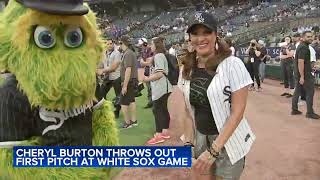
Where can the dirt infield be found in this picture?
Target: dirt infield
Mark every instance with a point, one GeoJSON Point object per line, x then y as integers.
{"type": "Point", "coordinates": [287, 147]}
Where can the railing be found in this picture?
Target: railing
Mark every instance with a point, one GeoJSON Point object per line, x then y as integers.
{"type": "Point", "coordinates": [245, 37]}
{"type": "Point", "coordinates": [304, 21]}
{"type": "Point", "coordinates": [274, 71]}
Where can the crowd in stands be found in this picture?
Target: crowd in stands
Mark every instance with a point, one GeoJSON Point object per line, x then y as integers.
{"type": "Point", "coordinates": [233, 19]}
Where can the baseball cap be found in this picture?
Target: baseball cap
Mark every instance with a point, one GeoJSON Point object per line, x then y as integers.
{"type": "Point", "coordinates": [57, 7]}
{"type": "Point", "coordinates": [142, 41]}
{"type": "Point", "coordinates": [205, 19]}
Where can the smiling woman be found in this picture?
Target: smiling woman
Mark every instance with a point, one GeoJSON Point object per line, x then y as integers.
{"type": "Point", "coordinates": [204, 39]}
{"type": "Point", "coordinates": [214, 85]}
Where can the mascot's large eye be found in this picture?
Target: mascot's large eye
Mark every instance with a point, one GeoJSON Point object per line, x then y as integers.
{"type": "Point", "coordinates": [73, 37]}
{"type": "Point", "coordinates": [44, 38]}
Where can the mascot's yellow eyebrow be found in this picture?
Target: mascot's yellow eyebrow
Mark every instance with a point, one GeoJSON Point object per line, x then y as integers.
{"type": "Point", "coordinates": [23, 31]}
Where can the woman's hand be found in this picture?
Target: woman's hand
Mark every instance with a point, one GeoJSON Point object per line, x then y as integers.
{"type": "Point", "coordinates": [142, 63]}
{"type": "Point", "coordinates": [124, 90]}
{"type": "Point", "coordinates": [99, 72]}
{"type": "Point", "coordinates": [145, 79]}
{"type": "Point", "coordinates": [204, 162]}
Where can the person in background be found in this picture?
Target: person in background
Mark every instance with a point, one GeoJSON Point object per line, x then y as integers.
{"type": "Point", "coordinates": [181, 54]}
{"type": "Point", "coordinates": [102, 80]}
{"type": "Point", "coordinates": [186, 47]}
{"type": "Point", "coordinates": [146, 53]}
{"type": "Point", "coordinates": [253, 64]}
{"type": "Point", "coordinates": [313, 59]}
{"type": "Point", "coordinates": [111, 70]}
{"type": "Point", "coordinates": [231, 46]}
{"type": "Point", "coordinates": [297, 39]}
{"type": "Point", "coordinates": [263, 59]}
{"type": "Point", "coordinates": [178, 48]}
{"type": "Point", "coordinates": [215, 88]}
{"type": "Point", "coordinates": [247, 25]}
{"type": "Point", "coordinates": [316, 46]}
{"type": "Point", "coordinates": [313, 54]}
{"type": "Point", "coordinates": [161, 89]}
{"type": "Point", "coordinates": [286, 56]}
{"type": "Point", "coordinates": [172, 50]}
{"type": "Point", "coordinates": [129, 82]}
{"type": "Point", "coordinates": [304, 77]}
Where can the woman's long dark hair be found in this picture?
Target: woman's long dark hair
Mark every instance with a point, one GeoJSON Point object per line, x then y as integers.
{"type": "Point", "coordinates": [159, 45]}
{"type": "Point", "coordinates": [190, 60]}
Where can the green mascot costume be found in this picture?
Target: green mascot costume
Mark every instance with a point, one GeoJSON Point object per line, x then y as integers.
{"type": "Point", "coordinates": [51, 48]}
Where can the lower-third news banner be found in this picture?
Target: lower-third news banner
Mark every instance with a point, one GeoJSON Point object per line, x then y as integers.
{"type": "Point", "coordinates": [96, 156]}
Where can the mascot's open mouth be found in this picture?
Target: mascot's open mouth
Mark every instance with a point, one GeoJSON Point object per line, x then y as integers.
{"type": "Point", "coordinates": [59, 116]}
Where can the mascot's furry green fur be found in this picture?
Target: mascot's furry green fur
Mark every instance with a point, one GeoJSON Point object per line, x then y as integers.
{"type": "Point", "coordinates": [53, 59]}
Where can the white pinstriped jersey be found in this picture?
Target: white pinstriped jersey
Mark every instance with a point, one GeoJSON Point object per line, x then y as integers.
{"type": "Point", "coordinates": [231, 75]}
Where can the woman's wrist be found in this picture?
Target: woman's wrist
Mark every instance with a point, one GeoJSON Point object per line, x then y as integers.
{"type": "Point", "coordinates": [215, 147]}
{"type": "Point", "coordinates": [105, 70]}
{"type": "Point", "coordinates": [213, 152]}
{"type": "Point", "coordinates": [147, 79]}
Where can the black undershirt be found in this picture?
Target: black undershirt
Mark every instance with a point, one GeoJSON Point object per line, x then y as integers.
{"type": "Point", "coordinates": [200, 81]}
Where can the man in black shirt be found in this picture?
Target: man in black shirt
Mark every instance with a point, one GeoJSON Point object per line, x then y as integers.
{"type": "Point", "coordinates": [263, 58]}
{"type": "Point", "coordinates": [254, 62]}
{"type": "Point", "coordinates": [304, 77]}
{"type": "Point", "coordinates": [296, 38]}
{"type": "Point", "coordinates": [286, 56]}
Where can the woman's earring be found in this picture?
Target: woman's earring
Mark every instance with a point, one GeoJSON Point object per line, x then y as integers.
{"type": "Point", "coordinates": [217, 42]}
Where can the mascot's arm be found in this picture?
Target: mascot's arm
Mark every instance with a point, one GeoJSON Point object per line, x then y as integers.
{"type": "Point", "coordinates": [105, 132]}
{"type": "Point", "coordinates": [16, 123]}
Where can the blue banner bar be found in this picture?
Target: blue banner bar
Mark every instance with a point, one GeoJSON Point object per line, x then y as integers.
{"type": "Point", "coordinates": [98, 156]}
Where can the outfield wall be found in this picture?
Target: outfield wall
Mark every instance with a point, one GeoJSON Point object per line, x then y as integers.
{"type": "Point", "coordinates": [273, 71]}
